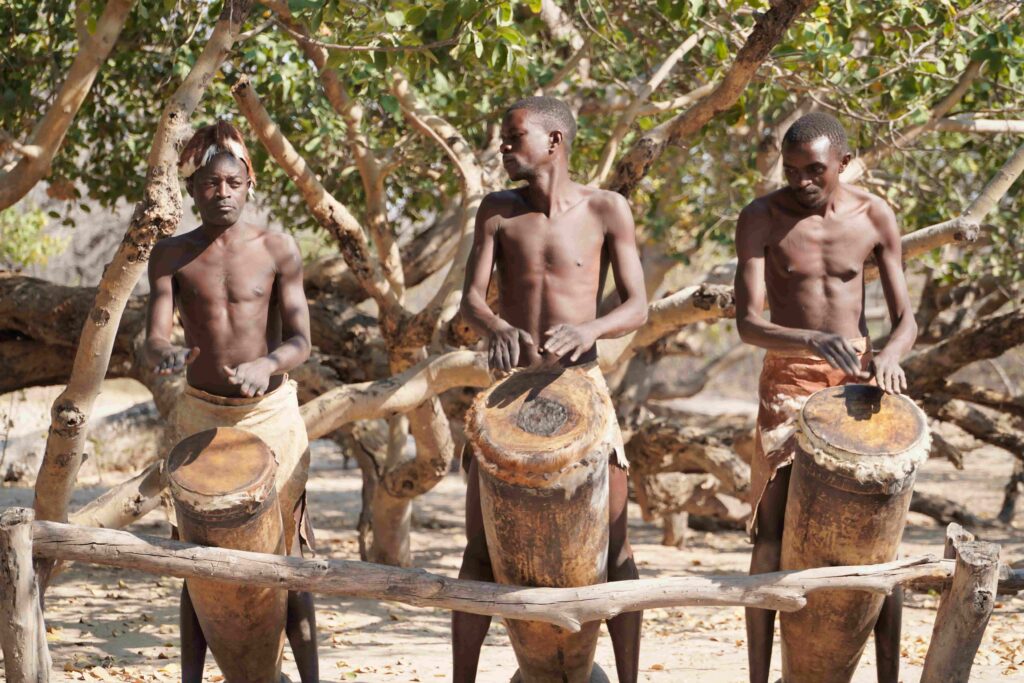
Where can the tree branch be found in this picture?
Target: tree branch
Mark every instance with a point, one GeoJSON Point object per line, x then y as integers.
{"type": "Point", "coordinates": [969, 124]}
{"type": "Point", "coordinates": [641, 95]}
{"type": "Point", "coordinates": [371, 172]}
{"type": "Point", "coordinates": [869, 159]}
{"type": "Point", "coordinates": [1014, 405]}
{"type": "Point", "coordinates": [328, 211]}
{"type": "Point", "coordinates": [645, 151]}
{"type": "Point", "coordinates": [394, 395]}
{"type": "Point", "coordinates": [421, 327]}
{"type": "Point", "coordinates": [567, 607]}
{"type": "Point", "coordinates": [46, 138]}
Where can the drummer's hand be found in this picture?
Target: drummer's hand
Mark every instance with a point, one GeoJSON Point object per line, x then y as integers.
{"type": "Point", "coordinates": [567, 340]}
{"type": "Point", "coordinates": [171, 359]}
{"type": "Point", "coordinates": [253, 377]}
{"type": "Point", "coordinates": [838, 352]}
{"type": "Point", "coordinates": [889, 374]}
{"type": "Point", "coordinates": [503, 346]}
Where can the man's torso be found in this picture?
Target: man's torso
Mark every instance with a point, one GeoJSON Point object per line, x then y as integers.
{"type": "Point", "coordinates": [814, 265]}
{"type": "Point", "coordinates": [550, 269]}
{"type": "Point", "coordinates": [226, 297]}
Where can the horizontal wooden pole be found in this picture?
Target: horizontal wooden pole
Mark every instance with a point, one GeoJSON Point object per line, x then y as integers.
{"type": "Point", "coordinates": [566, 607]}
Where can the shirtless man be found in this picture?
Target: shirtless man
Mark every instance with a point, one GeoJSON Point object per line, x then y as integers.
{"type": "Point", "coordinates": [804, 247]}
{"type": "Point", "coordinates": [551, 240]}
{"type": "Point", "coordinates": [238, 290]}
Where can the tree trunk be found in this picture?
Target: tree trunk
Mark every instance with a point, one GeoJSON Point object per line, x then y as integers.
{"type": "Point", "coordinates": [22, 632]}
{"type": "Point", "coordinates": [964, 609]}
{"type": "Point", "coordinates": [156, 216]}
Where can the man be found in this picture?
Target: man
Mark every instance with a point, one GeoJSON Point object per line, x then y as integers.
{"type": "Point", "coordinates": [551, 240]}
{"type": "Point", "coordinates": [238, 291]}
{"type": "Point", "coordinates": [804, 247]}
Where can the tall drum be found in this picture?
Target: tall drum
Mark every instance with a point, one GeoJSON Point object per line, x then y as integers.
{"type": "Point", "coordinates": [849, 494]}
{"type": "Point", "coordinates": [542, 445]}
{"type": "Point", "coordinates": [222, 482]}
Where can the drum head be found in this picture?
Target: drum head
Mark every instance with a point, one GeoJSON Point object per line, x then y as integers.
{"type": "Point", "coordinates": [863, 420]}
{"type": "Point", "coordinates": [538, 421]}
{"type": "Point", "coordinates": [220, 462]}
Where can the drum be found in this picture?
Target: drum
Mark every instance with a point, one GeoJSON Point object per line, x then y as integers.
{"type": "Point", "coordinates": [222, 482]}
{"type": "Point", "coordinates": [542, 442]}
{"type": "Point", "coordinates": [849, 493]}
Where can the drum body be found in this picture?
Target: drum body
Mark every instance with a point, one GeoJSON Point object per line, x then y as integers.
{"type": "Point", "coordinates": [542, 445]}
{"type": "Point", "coordinates": [222, 482]}
{"type": "Point", "coordinates": [849, 493]}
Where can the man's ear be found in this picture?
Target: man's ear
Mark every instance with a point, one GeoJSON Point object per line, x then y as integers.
{"type": "Point", "coordinates": [188, 185]}
{"type": "Point", "coordinates": [845, 161]}
{"type": "Point", "coordinates": [555, 140]}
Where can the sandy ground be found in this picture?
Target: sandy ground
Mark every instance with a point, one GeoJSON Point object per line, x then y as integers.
{"type": "Point", "coordinates": [109, 624]}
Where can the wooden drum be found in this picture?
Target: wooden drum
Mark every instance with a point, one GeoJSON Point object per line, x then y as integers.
{"type": "Point", "coordinates": [222, 481]}
{"type": "Point", "coordinates": [542, 445]}
{"type": "Point", "coordinates": [849, 494]}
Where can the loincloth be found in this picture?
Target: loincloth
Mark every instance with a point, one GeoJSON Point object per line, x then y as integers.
{"type": "Point", "coordinates": [613, 435]}
{"type": "Point", "coordinates": [276, 420]}
{"type": "Point", "coordinates": [788, 378]}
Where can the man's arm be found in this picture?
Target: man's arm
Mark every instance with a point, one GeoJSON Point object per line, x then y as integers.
{"type": "Point", "coordinates": [751, 231]}
{"type": "Point", "coordinates": [624, 259]}
{"type": "Point", "coordinates": [503, 339]}
{"type": "Point", "coordinates": [163, 356]}
{"type": "Point", "coordinates": [254, 377]}
{"type": "Point", "coordinates": [889, 256]}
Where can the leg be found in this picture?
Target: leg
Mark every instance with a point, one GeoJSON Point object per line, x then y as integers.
{"type": "Point", "coordinates": [469, 630]}
{"type": "Point", "coordinates": [193, 642]}
{"type": "Point", "coordinates": [625, 628]}
{"type": "Point", "coordinates": [765, 558]}
{"type": "Point", "coordinates": [300, 624]}
{"type": "Point", "coordinates": [887, 637]}
{"type": "Point", "coordinates": [301, 631]}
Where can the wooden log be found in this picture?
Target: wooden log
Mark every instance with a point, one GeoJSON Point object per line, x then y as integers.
{"type": "Point", "coordinates": [947, 511]}
{"type": "Point", "coordinates": [22, 631]}
{"type": "Point", "coordinates": [964, 610]}
{"type": "Point", "coordinates": [566, 607]}
{"type": "Point", "coordinates": [667, 444]}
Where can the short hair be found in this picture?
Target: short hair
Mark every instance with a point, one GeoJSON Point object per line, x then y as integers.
{"type": "Point", "coordinates": [810, 127]}
{"type": "Point", "coordinates": [551, 109]}
{"type": "Point", "coordinates": [211, 141]}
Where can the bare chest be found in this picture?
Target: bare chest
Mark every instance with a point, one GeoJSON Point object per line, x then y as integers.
{"type": "Point", "coordinates": [218, 280]}
{"type": "Point", "coordinates": [533, 245]}
{"type": "Point", "coordinates": [818, 248]}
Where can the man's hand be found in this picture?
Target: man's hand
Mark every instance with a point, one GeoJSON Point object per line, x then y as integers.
{"type": "Point", "coordinates": [253, 377]}
{"type": "Point", "coordinates": [172, 359]}
{"type": "Point", "coordinates": [889, 374]}
{"type": "Point", "coordinates": [503, 346]}
{"type": "Point", "coordinates": [567, 340]}
{"type": "Point", "coordinates": [838, 352]}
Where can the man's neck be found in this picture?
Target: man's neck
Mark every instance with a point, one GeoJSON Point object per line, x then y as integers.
{"type": "Point", "coordinates": [224, 233]}
{"type": "Point", "coordinates": [551, 191]}
{"type": "Point", "coordinates": [826, 208]}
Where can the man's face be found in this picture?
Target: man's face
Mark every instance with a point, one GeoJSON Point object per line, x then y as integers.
{"type": "Point", "coordinates": [220, 190]}
{"type": "Point", "coordinates": [526, 144]}
{"type": "Point", "coordinates": [812, 170]}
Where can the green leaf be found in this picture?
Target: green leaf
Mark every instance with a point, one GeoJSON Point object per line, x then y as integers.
{"type": "Point", "coordinates": [414, 16]}
{"type": "Point", "coordinates": [535, 5]}
{"type": "Point", "coordinates": [390, 104]}
{"type": "Point", "coordinates": [449, 19]}
{"type": "Point", "coordinates": [395, 17]}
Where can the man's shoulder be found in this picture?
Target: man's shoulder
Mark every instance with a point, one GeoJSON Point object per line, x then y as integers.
{"type": "Point", "coordinates": [877, 207]}
{"type": "Point", "coordinates": [170, 248]}
{"type": "Point", "coordinates": [605, 200]}
{"type": "Point", "coordinates": [763, 207]}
